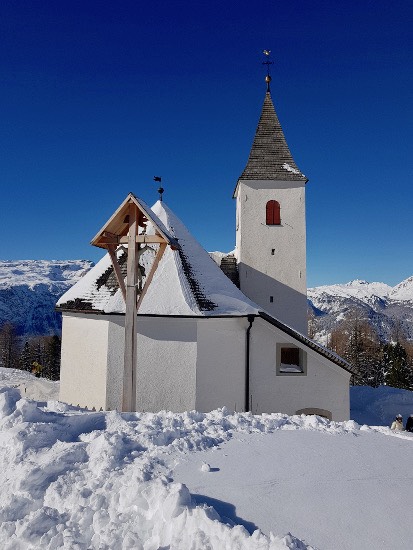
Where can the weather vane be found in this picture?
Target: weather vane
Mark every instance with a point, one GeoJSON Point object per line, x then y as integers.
{"type": "Point", "coordinates": [267, 62]}
{"type": "Point", "coordinates": [160, 189]}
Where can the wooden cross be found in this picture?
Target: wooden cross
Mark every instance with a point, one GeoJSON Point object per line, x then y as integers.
{"type": "Point", "coordinates": [122, 228]}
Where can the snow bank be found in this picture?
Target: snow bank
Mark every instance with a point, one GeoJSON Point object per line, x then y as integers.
{"type": "Point", "coordinates": [99, 480]}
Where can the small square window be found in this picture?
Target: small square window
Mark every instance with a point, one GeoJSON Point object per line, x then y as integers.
{"type": "Point", "coordinates": [271, 299]}
{"type": "Point", "coordinates": [291, 360]}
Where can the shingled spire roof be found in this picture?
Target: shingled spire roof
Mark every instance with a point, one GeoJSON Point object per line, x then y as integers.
{"type": "Point", "coordinates": [270, 157]}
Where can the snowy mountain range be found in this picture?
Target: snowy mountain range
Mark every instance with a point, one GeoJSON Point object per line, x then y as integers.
{"type": "Point", "coordinates": [29, 290]}
{"type": "Point", "coordinates": [385, 308]}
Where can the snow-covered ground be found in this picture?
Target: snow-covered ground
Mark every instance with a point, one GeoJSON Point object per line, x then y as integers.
{"type": "Point", "coordinates": [30, 387]}
{"type": "Point", "coordinates": [92, 480]}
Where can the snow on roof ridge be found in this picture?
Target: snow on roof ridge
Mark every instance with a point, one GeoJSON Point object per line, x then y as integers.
{"type": "Point", "coordinates": [214, 283]}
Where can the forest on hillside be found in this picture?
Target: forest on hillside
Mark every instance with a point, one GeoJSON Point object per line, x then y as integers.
{"type": "Point", "coordinates": [378, 362]}
{"type": "Point", "coordinates": [39, 355]}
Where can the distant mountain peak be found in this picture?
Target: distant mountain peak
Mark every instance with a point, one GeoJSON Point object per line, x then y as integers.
{"type": "Point", "coordinates": [382, 306]}
{"type": "Point", "coordinates": [29, 290]}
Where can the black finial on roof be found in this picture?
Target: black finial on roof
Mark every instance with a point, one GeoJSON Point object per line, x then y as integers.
{"type": "Point", "coordinates": [160, 189]}
{"type": "Point", "coordinates": [267, 54]}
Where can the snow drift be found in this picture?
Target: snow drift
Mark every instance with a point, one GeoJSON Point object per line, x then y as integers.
{"type": "Point", "coordinates": [72, 479]}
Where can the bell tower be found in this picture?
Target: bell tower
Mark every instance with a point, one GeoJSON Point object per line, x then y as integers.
{"type": "Point", "coordinates": [270, 223]}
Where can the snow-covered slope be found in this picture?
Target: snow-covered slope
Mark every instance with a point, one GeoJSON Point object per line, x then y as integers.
{"type": "Point", "coordinates": [403, 292]}
{"type": "Point", "coordinates": [383, 306]}
{"type": "Point", "coordinates": [29, 290]}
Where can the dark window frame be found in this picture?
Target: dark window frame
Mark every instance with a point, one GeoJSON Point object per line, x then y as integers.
{"type": "Point", "coordinates": [302, 356]}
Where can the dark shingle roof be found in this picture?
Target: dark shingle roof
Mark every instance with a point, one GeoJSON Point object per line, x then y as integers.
{"type": "Point", "coordinates": [270, 157]}
{"type": "Point", "coordinates": [110, 286]}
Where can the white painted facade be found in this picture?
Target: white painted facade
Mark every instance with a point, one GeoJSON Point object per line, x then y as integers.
{"type": "Point", "coordinates": [195, 363]}
{"type": "Point", "coordinates": [272, 258]}
{"type": "Point", "coordinates": [84, 360]}
{"type": "Point", "coordinates": [324, 386]}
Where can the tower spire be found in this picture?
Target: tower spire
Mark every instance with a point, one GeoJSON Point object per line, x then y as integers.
{"type": "Point", "coordinates": [270, 157]}
{"type": "Point", "coordinates": [267, 62]}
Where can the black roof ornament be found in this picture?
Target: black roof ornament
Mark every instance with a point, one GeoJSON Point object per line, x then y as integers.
{"type": "Point", "coordinates": [160, 189]}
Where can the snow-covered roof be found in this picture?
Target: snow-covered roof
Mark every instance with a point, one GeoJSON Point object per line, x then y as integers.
{"type": "Point", "coordinates": [186, 282]}
{"type": "Point", "coordinates": [270, 158]}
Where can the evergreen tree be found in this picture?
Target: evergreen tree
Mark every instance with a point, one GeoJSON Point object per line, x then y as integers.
{"type": "Point", "coordinates": [9, 347]}
{"type": "Point", "coordinates": [25, 359]}
{"type": "Point", "coordinates": [356, 341]}
{"type": "Point", "coordinates": [38, 350]}
{"type": "Point", "coordinates": [52, 358]}
{"type": "Point", "coordinates": [399, 373]}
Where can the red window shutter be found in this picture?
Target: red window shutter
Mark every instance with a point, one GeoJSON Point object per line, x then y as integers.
{"type": "Point", "coordinates": [273, 213]}
{"type": "Point", "coordinates": [270, 212]}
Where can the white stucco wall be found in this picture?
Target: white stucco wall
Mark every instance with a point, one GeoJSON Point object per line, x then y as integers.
{"type": "Point", "coordinates": [84, 360]}
{"type": "Point", "coordinates": [325, 385]}
{"type": "Point", "coordinates": [92, 362]}
{"type": "Point", "coordinates": [115, 358]}
{"type": "Point", "coordinates": [176, 373]}
{"type": "Point", "coordinates": [282, 274]}
{"type": "Point", "coordinates": [166, 364]}
{"type": "Point", "coordinates": [220, 378]}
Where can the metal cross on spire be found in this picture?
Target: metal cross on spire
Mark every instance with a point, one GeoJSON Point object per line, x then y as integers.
{"type": "Point", "coordinates": [267, 54]}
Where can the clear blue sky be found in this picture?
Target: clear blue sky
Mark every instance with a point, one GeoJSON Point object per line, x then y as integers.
{"type": "Point", "coordinates": [98, 97]}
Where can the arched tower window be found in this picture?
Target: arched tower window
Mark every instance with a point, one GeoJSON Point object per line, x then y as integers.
{"type": "Point", "coordinates": [273, 213]}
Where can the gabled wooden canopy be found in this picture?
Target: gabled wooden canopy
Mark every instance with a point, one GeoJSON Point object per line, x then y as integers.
{"type": "Point", "coordinates": [116, 228]}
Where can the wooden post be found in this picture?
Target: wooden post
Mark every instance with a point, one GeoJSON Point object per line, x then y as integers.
{"type": "Point", "coordinates": [129, 369]}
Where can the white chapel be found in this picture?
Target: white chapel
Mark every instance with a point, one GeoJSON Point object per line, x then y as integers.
{"type": "Point", "coordinates": [157, 324]}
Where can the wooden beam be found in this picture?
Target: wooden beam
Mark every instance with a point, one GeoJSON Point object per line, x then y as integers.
{"type": "Point", "coordinates": [148, 239]}
{"type": "Point", "coordinates": [116, 268]}
{"type": "Point", "coordinates": [108, 241]}
{"type": "Point", "coordinates": [129, 366]}
{"type": "Point", "coordinates": [145, 239]}
{"type": "Point", "coordinates": [109, 234]}
{"type": "Point", "coordinates": [149, 278]}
